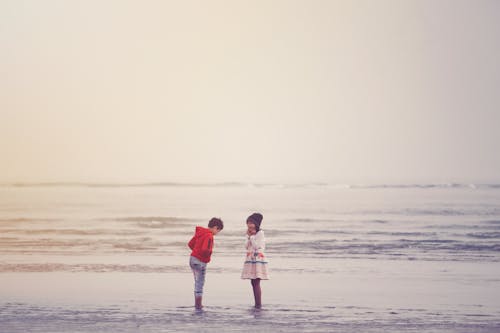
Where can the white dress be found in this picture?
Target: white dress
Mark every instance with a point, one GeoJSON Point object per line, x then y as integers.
{"type": "Point", "coordinates": [255, 266]}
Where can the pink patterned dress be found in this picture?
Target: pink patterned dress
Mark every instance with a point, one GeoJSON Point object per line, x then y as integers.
{"type": "Point", "coordinates": [255, 266]}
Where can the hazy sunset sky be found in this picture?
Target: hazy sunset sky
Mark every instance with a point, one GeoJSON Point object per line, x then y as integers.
{"type": "Point", "coordinates": [285, 91]}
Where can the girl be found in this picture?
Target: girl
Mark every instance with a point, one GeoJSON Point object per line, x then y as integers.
{"type": "Point", "coordinates": [255, 267]}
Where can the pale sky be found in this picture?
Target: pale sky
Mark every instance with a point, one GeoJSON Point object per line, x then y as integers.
{"type": "Point", "coordinates": [258, 91]}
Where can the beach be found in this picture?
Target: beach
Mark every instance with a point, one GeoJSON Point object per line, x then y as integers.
{"type": "Point", "coordinates": [113, 258]}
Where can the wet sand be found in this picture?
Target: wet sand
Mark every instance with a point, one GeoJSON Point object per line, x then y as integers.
{"type": "Point", "coordinates": [363, 295]}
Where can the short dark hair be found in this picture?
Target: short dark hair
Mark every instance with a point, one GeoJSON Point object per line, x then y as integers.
{"type": "Point", "coordinates": [216, 222]}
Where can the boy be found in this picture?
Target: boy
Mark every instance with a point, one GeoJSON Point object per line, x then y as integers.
{"type": "Point", "coordinates": [202, 245]}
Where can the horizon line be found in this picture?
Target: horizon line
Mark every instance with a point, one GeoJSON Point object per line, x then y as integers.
{"type": "Point", "coordinates": [494, 184]}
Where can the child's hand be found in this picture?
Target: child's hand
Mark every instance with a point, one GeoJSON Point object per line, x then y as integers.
{"type": "Point", "coordinates": [251, 229]}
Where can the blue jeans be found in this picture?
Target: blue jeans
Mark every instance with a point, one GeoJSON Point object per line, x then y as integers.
{"type": "Point", "coordinates": [199, 269]}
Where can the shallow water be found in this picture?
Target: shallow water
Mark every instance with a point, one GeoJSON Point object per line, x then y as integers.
{"type": "Point", "coordinates": [85, 258]}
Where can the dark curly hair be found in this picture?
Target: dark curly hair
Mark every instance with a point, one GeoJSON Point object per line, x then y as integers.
{"type": "Point", "coordinates": [216, 222]}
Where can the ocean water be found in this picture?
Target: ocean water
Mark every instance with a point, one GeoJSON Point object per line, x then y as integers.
{"type": "Point", "coordinates": [113, 258]}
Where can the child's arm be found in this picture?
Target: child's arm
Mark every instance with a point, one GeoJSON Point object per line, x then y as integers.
{"type": "Point", "coordinates": [192, 243]}
{"type": "Point", "coordinates": [259, 243]}
{"type": "Point", "coordinates": [206, 246]}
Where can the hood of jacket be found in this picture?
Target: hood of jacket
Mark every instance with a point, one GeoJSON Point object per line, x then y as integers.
{"type": "Point", "coordinates": [200, 231]}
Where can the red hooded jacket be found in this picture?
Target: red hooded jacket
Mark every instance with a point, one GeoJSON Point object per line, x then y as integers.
{"type": "Point", "coordinates": [202, 244]}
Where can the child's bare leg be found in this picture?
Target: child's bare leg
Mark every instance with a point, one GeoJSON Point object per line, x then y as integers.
{"type": "Point", "coordinates": [197, 302]}
{"type": "Point", "coordinates": [257, 293]}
